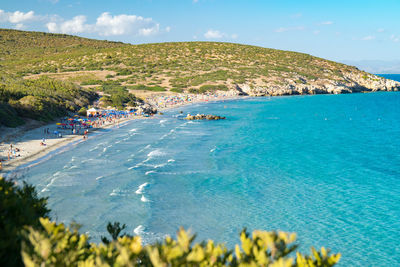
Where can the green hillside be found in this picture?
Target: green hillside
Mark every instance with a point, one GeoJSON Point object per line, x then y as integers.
{"type": "Point", "coordinates": [176, 65]}
{"type": "Point", "coordinates": [88, 66]}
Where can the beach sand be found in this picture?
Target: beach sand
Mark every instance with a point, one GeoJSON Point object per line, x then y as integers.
{"type": "Point", "coordinates": [27, 138]}
{"type": "Point", "coordinates": [30, 149]}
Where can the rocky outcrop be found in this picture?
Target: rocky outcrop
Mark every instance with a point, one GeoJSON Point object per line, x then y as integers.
{"type": "Point", "coordinates": [204, 117]}
{"type": "Point", "coordinates": [297, 85]}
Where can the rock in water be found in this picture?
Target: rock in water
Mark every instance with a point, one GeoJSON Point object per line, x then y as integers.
{"type": "Point", "coordinates": [204, 117]}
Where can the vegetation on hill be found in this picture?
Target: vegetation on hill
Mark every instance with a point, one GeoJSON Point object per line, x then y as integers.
{"type": "Point", "coordinates": [25, 230]}
{"type": "Point", "coordinates": [191, 67]}
{"type": "Point", "coordinates": [41, 99]}
{"type": "Point", "coordinates": [185, 65]}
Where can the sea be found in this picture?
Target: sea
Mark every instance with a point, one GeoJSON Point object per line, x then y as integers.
{"type": "Point", "coordinates": [326, 167]}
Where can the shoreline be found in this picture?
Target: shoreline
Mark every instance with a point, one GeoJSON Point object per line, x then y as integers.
{"type": "Point", "coordinates": [53, 145]}
{"type": "Point", "coordinates": [28, 140]}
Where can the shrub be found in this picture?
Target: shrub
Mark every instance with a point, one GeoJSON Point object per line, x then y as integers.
{"type": "Point", "coordinates": [176, 90]}
{"type": "Point", "coordinates": [91, 82]}
{"type": "Point", "coordinates": [82, 111]}
{"type": "Point", "coordinates": [212, 88]}
{"type": "Point", "coordinates": [19, 206]}
{"type": "Point", "coordinates": [9, 116]}
{"type": "Point", "coordinates": [124, 72]}
{"type": "Point", "coordinates": [57, 245]}
{"type": "Point", "coordinates": [147, 88]}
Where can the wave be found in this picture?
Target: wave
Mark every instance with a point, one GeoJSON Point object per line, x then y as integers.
{"type": "Point", "coordinates": [115, 192]}
{"type": "Point", "coordinates": [149, 172]}
{"type": "Point", "coordinates": [139, 230]}
{"type": "Point", "coordinates": [213, 149]}
{"type": "Point", "coordinates": [143, 149]}
{"type": "Point", "coordinates": [141, 188]}
{"type": "Point", "coordinates": [162, 121]}
{"type": "Point", "coordinates": [155, 153]}
{"type": "Point", "coordinates": [52, 180]}
{"type": "Point", "coordinates": [144, 199]}
{"type": "Point", "coordinates": [99, 177]}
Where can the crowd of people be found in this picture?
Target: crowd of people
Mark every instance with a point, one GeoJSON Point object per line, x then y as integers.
{"type": "Point", "coordinates": [169, 101]}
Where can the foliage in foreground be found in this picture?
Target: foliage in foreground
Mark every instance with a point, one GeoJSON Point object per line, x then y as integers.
{"type": "Point", "coordinates": [19, 206]}
{"type": "Point", "coordinates": [57, 245]}
{"type": "Point", "coordinates": [46, 243]}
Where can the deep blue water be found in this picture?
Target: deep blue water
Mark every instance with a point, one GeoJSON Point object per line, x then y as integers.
{"type": "Point", "coordinates": [395, 77]}
{"type": "Point", "coordinates": [324, 166]}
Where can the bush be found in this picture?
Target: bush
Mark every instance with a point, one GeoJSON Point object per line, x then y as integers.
{"type": "Point", "coordinates": [19, 206]}
{"type": "Point", "coordinates": [177, 90]}
{"type": "Point", "coordinates": [82, 111]}
{"type": "Point", "coordinates": [212, 88]}
{"type": "Point", "coordinates": [124, 72]}
{"type": "Point", "coordinates": [57, 245]}
{"type": "Point", "coordinates": [147, 88]}
{"type": "Point", "coordinates": [9, 116]}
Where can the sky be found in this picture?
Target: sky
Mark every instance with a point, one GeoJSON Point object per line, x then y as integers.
{"type": "Point", "coordinates": [337, 30]}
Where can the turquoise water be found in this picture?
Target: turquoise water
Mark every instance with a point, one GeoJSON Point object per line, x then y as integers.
{"type": "Point", "coordinates": [325, 166]}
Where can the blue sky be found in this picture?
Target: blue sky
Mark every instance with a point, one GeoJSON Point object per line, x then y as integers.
{"type": "Point", "coordinates": [337, 30]}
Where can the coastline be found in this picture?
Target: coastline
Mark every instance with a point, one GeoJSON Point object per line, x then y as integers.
{"type": "Point", "coordinates": [28, 141]}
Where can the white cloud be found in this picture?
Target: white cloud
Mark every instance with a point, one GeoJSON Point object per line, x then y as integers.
{"type": "Point", "coordinates": [368, 38]}
{"type": "Point", "coordinates": [75, 25]}
{"type": "Point", "coordinates": [283, 29]}
{"type": "Point", "coordinates": [17, 17]}
{"type": "Point", "coordinates": [107, 25]}
{"type": "Point", "coordinates": [380, 30]}
{"type": "Point", "coordinates": [316, 32]}
{"type": "Point", "coordinates": [125, 24]}
{"type": "Point", "coordinates": [326, 23]}
{"type": "Point", "coordinates": [19, 26]}
{"type": "Point", "coordinates": [168, 29]}
{"type": "Point", "coordinates": [213, 34]}
{"type": "Point", "coordinates": [395, 38]}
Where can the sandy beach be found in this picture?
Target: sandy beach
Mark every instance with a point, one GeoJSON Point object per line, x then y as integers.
{"type": "Point", "coordinates": [22, 145]}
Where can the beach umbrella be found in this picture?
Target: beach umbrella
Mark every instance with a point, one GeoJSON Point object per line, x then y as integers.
{"type": "Point", "coordinates": [58, 123]}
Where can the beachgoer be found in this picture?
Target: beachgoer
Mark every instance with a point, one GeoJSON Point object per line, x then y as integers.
{"type": "Point", "coordinates": [1, 165]}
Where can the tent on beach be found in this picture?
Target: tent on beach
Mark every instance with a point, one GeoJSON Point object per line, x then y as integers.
{"type": "Point", "coordinates": [92, 112]}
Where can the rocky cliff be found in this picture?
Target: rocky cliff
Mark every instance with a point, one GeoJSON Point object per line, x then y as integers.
{"type": "Point", "coordinates": [297, 85]}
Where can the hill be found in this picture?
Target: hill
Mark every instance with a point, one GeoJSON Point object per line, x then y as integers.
{"type": "Point", "coordinates": [169, 68]}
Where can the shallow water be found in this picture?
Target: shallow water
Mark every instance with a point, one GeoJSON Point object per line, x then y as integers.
{"type": "Point", "coordinates": [326, 167]}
